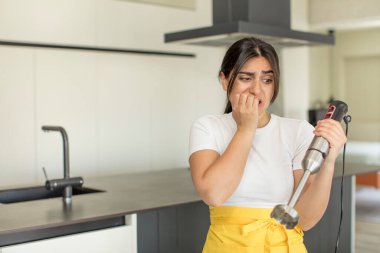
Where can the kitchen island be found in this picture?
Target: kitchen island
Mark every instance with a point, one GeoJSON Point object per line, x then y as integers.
{"type": "Point", "coordinates": [122, 195]}
{"type": "Point", "coordinates": [170, 214]}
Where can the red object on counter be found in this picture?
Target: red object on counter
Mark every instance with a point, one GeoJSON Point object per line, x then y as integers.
{"type": "Point", "coordinates": [370, 179]}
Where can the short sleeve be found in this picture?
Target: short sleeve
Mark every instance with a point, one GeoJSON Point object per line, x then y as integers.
{"type": "Point", "coordinates": [202, 136]}
{"type": "Point", "coordinates": [304, 137]}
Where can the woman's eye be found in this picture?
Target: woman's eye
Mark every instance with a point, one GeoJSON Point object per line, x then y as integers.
{"type": "Point", "coordinates": [245, 79]}
{"type": "Point", "coordinates": [268, 80]}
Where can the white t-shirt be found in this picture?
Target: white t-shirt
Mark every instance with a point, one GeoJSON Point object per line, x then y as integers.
{"type": "Point", "coordinates": [277, 150]}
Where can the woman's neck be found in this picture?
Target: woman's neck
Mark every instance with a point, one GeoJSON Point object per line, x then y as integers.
{"type": "Point", "coordinates": [264, 120]}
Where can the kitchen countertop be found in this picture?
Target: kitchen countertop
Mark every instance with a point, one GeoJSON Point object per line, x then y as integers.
{"type": "Point", "coordinates": [361, 157]}
{"type": "Point", "coordinates": [124, 194]}
{"type": "Point", "coordinates": [352, 168]}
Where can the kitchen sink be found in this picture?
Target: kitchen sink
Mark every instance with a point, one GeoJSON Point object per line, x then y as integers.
{"type": "Point", "coordinates": [38, 192]}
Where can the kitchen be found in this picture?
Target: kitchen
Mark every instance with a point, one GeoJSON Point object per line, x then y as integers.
{"type": "Point", "coordinates": [131, 112]}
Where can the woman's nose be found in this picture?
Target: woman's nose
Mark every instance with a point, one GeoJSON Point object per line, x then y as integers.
{"type": "Point", "coordinates": [255, 88]}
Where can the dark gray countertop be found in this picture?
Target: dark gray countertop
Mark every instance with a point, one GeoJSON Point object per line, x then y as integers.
{"type": "Point", "coordinates": [352, 168]}
{"type": "Point", "coordinates": [124, 194]}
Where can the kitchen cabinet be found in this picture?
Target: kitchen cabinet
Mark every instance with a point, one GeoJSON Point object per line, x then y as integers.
{"type": "Point", "coordinates": [121, 239]}
{"type": "Point", "coordinates": [181, 228]}
{"type": "Point", "coordinates": [322, 237]}
{"type": "Point", "coordinates": [184, 228]}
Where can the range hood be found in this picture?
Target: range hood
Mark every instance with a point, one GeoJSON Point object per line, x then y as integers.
{"type": "Point", "coordinates": [236, 19]}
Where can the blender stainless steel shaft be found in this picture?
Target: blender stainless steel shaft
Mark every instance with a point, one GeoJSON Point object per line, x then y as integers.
{"type": "Point", "coordinates": [312, 162]}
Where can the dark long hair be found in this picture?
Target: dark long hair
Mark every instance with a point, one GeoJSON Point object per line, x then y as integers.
{"type": "Point", "coordinates": [242, 51]}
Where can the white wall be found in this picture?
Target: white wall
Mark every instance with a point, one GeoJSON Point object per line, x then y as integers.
{"type": "Point", "coordinates": [295, 67]}
{"type": "Point", "coordinates": [295, 82]}
{"type": "Point", "coordinates": [341, 15]}
{"type": "Point", "coordinates": [320, 75]}
{"type": "Point", "coordinates": [122, 112]}
{"type": "Point", "coordinates": [364, 42]}
{"type": "Point", "coordinates": [342, 72]}
{"type": "Point", "coordinates": [362, 46]}
{"type": "Point", "coordinates": [356, 24]}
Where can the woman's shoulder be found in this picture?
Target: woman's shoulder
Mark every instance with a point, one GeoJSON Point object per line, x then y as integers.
{"type": "Point", "coordinates": [293, 123]}
{"type": "Point", "coordinates": [295, 130]}
{"type": "Point", "coordinates": [211, 119]}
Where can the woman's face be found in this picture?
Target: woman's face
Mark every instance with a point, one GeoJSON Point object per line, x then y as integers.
{"type": "Point", "coordinates": [255, 77]}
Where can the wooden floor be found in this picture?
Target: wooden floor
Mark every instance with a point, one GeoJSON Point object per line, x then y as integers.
{"type": "Point", "coordinates": [367, 220]}
{"type": "Point", "coordinates": [367, 237]}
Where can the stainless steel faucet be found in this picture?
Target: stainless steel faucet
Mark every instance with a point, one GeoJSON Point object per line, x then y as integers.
{"type": "Point", "coordinates": [67, 183]}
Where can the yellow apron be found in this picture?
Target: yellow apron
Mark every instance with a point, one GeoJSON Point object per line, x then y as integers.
{"type": "Point", "coordinates": [250, 230]}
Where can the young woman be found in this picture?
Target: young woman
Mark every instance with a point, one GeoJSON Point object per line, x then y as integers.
{"type": "Point", "coordinates": [246, 161]}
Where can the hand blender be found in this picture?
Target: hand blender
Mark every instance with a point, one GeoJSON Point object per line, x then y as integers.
{"type": "Point", "coordinates": [311, 163]}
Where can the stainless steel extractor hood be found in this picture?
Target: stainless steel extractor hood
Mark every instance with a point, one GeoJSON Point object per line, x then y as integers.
{"type": "Point", "coordinates": [235, 19]}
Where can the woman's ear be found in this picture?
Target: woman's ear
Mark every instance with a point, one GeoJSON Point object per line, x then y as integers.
{"type": "Point", "coordinates": [224, 81]}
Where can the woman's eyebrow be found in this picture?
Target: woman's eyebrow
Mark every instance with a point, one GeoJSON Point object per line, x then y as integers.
{"type": "Point", "coordinates": [267, 72]}
{"type": "Point", "coordinates": [247, 73]}
{"type": "Point", "coordinates": [253, 73]}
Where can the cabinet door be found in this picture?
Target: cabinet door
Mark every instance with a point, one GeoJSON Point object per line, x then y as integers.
{"type": "Point", "coordinates": [118, 240]}
{"type": "Point", "coordinates": [322, 237]}
{"type": "Point", "coordinates": [173, 229]}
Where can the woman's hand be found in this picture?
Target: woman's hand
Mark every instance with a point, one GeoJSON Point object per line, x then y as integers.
{"type": "Point", "coordinates": [333, 132]}
{"type": "Point", "coordinates": [245, 111]}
